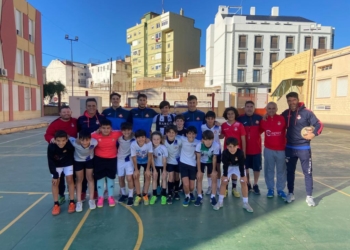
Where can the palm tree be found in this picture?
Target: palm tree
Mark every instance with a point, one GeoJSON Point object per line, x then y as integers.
{"type": "Point", "coordinates": [55, 87]}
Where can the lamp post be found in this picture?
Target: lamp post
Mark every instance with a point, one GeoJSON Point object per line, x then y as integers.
{"type": "Point", "coordinates": [71, 53]}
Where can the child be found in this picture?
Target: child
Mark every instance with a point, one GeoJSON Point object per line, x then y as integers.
{"type": "Point", "coordinates": [141, 154]}
{"type": "Point", "coordinates": [173, 145]}
{"type": "Point", "coordinates": [180, 121]}
{"type": "Point", "coordinates": [125, 165]}
{"type": "Point", "coordinates": [160, 154]}
{"type": "Point", "coordinates": [60, 159]}
{"type": "Point", "coordinates": [232, 128]}
{"type": "Point", "coordinates": [105, 160]}
{"type": "Point", "coordinates": [83, 162]}
{"type": "Point", "coordinates": [207, 153]}
{"type": "Point", "coordinates": [188, 164]}
{"type": "Point", "coordinates": [233, 161]}
{"type": "Point", "coordinates": [210, 125]}
{"type": "Point", "coordinates": [163, 119]}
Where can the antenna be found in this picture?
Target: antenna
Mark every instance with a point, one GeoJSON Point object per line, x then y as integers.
{"type": "Point", "coordinates": [162, 6]}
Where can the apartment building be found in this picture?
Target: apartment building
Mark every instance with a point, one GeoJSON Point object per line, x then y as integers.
{"type": "Point", "coordinates": [240, 49]}
{"type": "Point", "coordinates": [163, 45]}
{"type": "Point", "coordinates": [21, 75]}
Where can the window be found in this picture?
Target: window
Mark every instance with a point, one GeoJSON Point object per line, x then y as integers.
{"type": "Point", "coordinates": [326, 67]}
{"type": "Point", "coordinates": [289, 54]}
{"type": "Point", "coordinates": [125, 66]}
{"type": "Point", "coordinates": [107, 67]}
{"type": "Point", "coordinates": [158, 25]}
{"type": "Point", "coordinates": [31, 30]}
{"type": "Point", "coordinates": [158, 45]}
{"type": "Point", "coordinates": [256, 75]}
{"type": "Point", "coordinates": [139, 32]}
{"type": "Point", "coordinates": [168, 57]}
{"type": "Point", "coordinates": [158, 35]}
{"type": "Point", "coordinates": [135, 34]}
{"type": "Point", "coordinates": [18, 16]}
{"type": "Point", "coordinates": [165, 22]}
{"type": "Point", "coordinates": [322, 43]}
{"type": "Point", "coordinates": [240, 75]}
{"type": "Point", "coordinates": [324, 88]}
{"type": "Point", "coordinates": [129, 36]}
{"type": "Point", "coordinates": [211, 82]}
{"type": "Point", "coordinates": [270, 76]}
{"type": "Point", "coordinates": [241, 58]}
{"type": "Point", "coordinates": [242, 44]}
{"type": "Point", "coordinates": [342, 86]}
{"type": "Point", "coordinates": [273, 58]}
{"type": "Point", "coordinates": [257, 59]}
{"type": "Point", "coordinates": [290, 42]}
{"type": "Point", "coordinates": [274, 42]}
{"type": "Point", "coordinates": [307, 42]}
{"type": "Point", "coordinates": [27, 98]}
{"type": "Point", "coordinates": [158, 66]}
{"type": "Point", "coordinates": [32, 65]}
{"type": "Point", "coordinates": [168, 45]}
{"type": "Point", "coordinates": [19, 61]}
{"type": "Point", "coordinates": [169, 35]}
{"type": "Point", "coordinates": [258, 42]}
{"type": "Point", "coordinates": [167, 67]}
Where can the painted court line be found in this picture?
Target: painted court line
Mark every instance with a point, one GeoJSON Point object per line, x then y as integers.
{"type": "Point", "coordinates": [21, 138]}
{"type": "Point", "coordinates": [140, 226]}
{"type": "Point", "coordinates": [29, 193]}
{"type": "Point", "coordinates": [21, 215]}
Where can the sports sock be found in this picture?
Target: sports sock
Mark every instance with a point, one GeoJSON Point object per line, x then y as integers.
{"type": "Point", "coordinates": [71, 201]}
{"type": "Point", "coordinates": [188, 195]}
{"type": "Point", "coordinates": [110, 186]}
{"type": "Point", "coordinates": [209, 182]}
{"type": "Point", "coordinates": [245, 199]}
{"type": "Point", "coordinates": [154, 192]}
{"type": "Point", "coordinates": [56, 203]}
{"type": "Point", "coordinates": [131, 192]}
{"type": "Point", "coordinates": [100, 185]}
{"type": "Point", "coordinates": [163, 191]}
{"type": "Point", "coordinates": [144, 194]}
{"type": "Point", "coordinates": [170, 187]}
{"type": "Point", "coordinates": [123, 191]}
{"type": "Point", "coordinates": [234, 184]}
{"type": "Point", "coordinates": [212, 195]}
{"type": "Point", "coordinates": [221, 198]}
{"type": "Point", "coordinates": [200, 195]}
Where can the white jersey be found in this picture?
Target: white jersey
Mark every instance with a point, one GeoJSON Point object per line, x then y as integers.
{"type": "Point", "coordinates": [163, 121]}
{"type": "Point", "coordinates": [82, 154]}
{"type": "Point", "coordinates": [174, 149]}
{"type": "Point", "coordinates": [208, 153]}
{"type": "Point", "coordinates": [159, 153]}
{"type": "Point", "coordinates": [124, 150]}
{"type": "Point", "coordinates": [141, 153]}
{"type": "Point", "coordinates": [188, 151]}
{"type": "Point", "coordinates": [216, 130]}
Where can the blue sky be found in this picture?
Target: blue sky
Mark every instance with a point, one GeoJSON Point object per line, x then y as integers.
{"type": "Point", "coordinates": [101, 25]}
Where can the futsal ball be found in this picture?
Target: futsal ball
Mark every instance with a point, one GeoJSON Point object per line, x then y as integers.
{"type": "Point", "coordinates": [305, 130]}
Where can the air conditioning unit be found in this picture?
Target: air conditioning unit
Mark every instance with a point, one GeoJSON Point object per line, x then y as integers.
{"type": "Point", "coordinates": [3, 72]}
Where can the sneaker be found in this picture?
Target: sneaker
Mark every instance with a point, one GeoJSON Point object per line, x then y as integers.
{"type": "Point", "coordinates": [137, 200]}
{"type": "Point", "coordinates": [79, 207]}
{"type": "Point", "coordinates": [111, 201]}
{"type": "Point", "coordinates": [310, 201]}
{"type": "Point", "coordinates": [71, 208]}
{"type": "Point", "coordinates": [192, 198]}
{"type": "Point", "coordinates": [56, 210]}
{"type": "Point", "coordinates": [105, 195]}
{"type": "Point", "coordinates": [130, 201]}
{"type": "Point", "coordinates": [159, 190]}
{"type": "Point", "coordinates": [145, 200]}
{"type": "Point", "coordinates": [83, 196]}
{"type": "Point", "coordinates": [163, 200]}
{"type": "Point", "coordinates": [218, 205]}
{"type": "Point", "coordinates": [169, 201]}
{"type": "Point", "coordinates": [213, 201]}
{"type": "Point", "coordinates": [153, 200]}
{"type": "Point", "coordinates": [61, 199]}
{"type": "Point", "coordinates": [247, 207]}
{"type": "Point", "coordinates": [198, 201]}
{"type": "Point", "coordinates": [100, 202]}
{"type": "Point", "coordinates": [92, 204]}
{"type": "Point", "coordinates": [95, 195]}
{"type": "Point", "coordinates": [218, 191]}
{"type": "Point", "coordinates": [282, 195]}
{"type": "Point", "coordinates": [235, 193]}
{"type": "Point", "coordinates": [290, 198]}
{"type": "Point", "coordinates": [123, 198]}
{"type": "Point", "coordinates": [186, 202]}
{"type": "Point", "coordinates": [256, 189]}
{"type": "Point", "coordinates": [249, 187]}
{"type": "Point", "coordinates": [177, 196]}
{"type": "Point", "coordinates": [270, 193]}
{"type": "Point", "coordinates": [208, 191]}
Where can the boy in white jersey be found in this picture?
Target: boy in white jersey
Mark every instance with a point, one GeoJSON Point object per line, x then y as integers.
{"type": "Point", "coordinates": [210, 117]}
{"type": "Point", "coordinates": [83, 162]}
{"type": "Point", "coordinates": [141, 154]}
{"type": "Point", "coordinates": [164, 119]}
{"type": "Point", "coordinates": [188, 164]}
{"type": "Point", "coordinates": [207, 153]}
{"type": "Point", "coordinates": [173, 144]}
{"type": "Point", "coordinates": [124, 163]}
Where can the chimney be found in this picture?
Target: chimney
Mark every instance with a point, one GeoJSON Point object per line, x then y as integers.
{"type": "Point", "coordinates": [182, 12]}
{"type": "Point", "coordinates": [275, 11]}
{"type": "Point", "coordinates": [252, 11]}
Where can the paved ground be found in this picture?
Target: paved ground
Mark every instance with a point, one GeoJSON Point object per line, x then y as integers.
{"type": "Point", "coordinates": [26, 221]}
{"type": "Point", "coordinates": [23, 125]}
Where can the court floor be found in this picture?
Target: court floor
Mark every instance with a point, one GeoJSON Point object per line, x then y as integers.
{"type": "Point", "coordinates": [26, 202]}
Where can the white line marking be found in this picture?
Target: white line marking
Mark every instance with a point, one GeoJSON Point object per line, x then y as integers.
{"type": "Point", "coordinates": [21, 138]}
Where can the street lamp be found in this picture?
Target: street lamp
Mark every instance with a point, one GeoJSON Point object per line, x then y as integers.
{"type": "Point", "coordinates": [71, 52]}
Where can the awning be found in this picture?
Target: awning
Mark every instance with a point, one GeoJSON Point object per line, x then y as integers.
{"type": "Point", "coordinates": [285, 85]}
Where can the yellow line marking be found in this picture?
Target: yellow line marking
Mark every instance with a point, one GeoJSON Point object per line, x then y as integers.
{"type": "Point", "coordinates": [29, 193]}
{"type": "Point", "coordinates": [76, 231]}
{"type": "Point", "coordinates": [21, 215]}
{"type": "Point", "coordinates": [140, 225]}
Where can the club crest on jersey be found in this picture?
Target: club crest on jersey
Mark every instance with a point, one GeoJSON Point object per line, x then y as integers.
{"type": "Point", "coordinates": [72, 125]}
{"type": "Point", "coordinates": [120, 115]}
{"type": "Point", "coordinates": [146, 115]}
{"type": "Point", "coordinates": [298, 117]}
{"type": "Point", "coordinates": [198, 118]}
{"type": "Point", "coordinates": [278, 123]}
{"type": "Point", "coordinates": [64, 151]}
{"type": "Point", "coordinates": [235, 129]}
{"type": "Point", "coordinates": [236, 159]}
{"type": "Point", "coordinates": [256, 122]}
{"type": "Point", "coordinates": [97, 122]}
{"type": "Point", "coordinates": [113, 139]}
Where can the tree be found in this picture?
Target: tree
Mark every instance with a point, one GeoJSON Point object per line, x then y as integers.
{"type": "Point", "coordinates": [55, 88]}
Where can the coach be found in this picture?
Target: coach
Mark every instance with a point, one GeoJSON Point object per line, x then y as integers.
{"type": "Point", "coordinates": [116, 114]}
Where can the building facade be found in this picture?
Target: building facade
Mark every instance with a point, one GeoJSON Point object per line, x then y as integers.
{"type": "Point", "coordinates": [240, 49]}
{"type": "Point", "coordinates": [163, 45]}
{"type": "Point", "coordinates": [21, 77]}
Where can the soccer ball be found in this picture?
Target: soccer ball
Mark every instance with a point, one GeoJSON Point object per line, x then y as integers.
{"type": "Point", "coordinates": [306, 130]}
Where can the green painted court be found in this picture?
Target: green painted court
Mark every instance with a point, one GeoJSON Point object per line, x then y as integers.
{"type": "Point", "coordinates": [26, 202]}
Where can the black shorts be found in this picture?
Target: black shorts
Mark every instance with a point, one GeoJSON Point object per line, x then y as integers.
{"type": "Point", "coordinates": [253, 162]}
{"type": "Point", "coordinates": [142, 165]}
{"type": "Point", "coordinates": [104, 167]}
{"type": "Point", "coordinates": [81, 165]}
{"type": "Point", "coordinates": [172, 168]}
{"type": "Point", "coordinates": [218, 158]}
{"type": "Point", "coordinates": [188, 171]}
{"type": "Point", "coordinates": [209, 166]}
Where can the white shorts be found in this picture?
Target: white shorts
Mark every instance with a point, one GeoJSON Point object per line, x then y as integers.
{"type": "Point", "coordinates": [234, 170]}
{"type": "Point", "coordinates": [124, 168]}
{"type": "Point", "coordinates": [66, 170]}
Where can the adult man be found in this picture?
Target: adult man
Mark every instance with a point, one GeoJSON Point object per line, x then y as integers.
{"type": "Point", "coordinates": [251, 122]}
{"type": "Point", "coordinates": [116, 114]}
{"type": "Point", "coordinates": [298, 147]}
{"type": "Point", "coordinates": [194, 117]}
{"type": "Point", "coordinates": [68, 124]}
{"type": "Point", "coordinates": [274, 127]}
